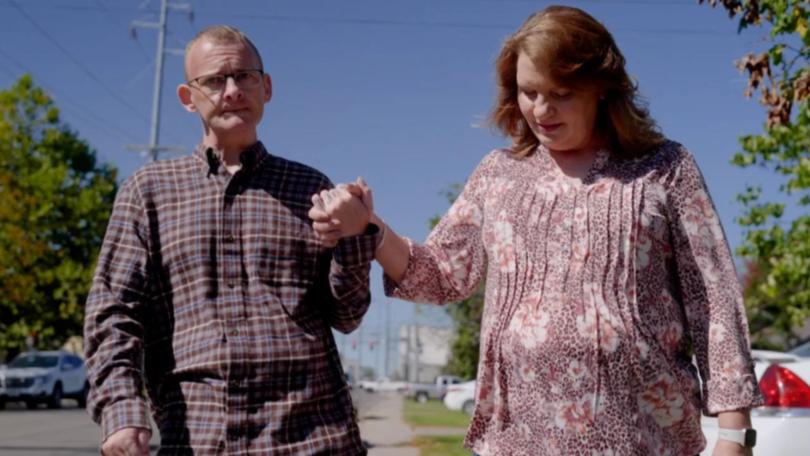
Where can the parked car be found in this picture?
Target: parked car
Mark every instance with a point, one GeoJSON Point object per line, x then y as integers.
{"type": "Point", "coordinates": [783, 424]}
{"type": "Point", "coordinates": [421, 392]}
{"type": "Point", "coordinates": [381, 385]}
{"type": "Point", "coordinates": [461, 397]}
{"type": "Point", "coordinates": [45, 376]}
{"type": "Point", "coordinates": [2, 386]}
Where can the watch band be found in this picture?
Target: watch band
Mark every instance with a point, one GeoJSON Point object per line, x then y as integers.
{"type": "Point", "coordinates": [744, 437]}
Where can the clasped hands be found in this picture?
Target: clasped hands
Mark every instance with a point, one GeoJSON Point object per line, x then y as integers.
{"type": "Point", "coordinates": [343, 211]}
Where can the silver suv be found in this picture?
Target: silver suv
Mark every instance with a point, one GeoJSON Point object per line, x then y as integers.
{"type": "Point", "coordinates": [44, 376]}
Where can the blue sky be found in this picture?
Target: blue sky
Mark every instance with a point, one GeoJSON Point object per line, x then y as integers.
{"type": "Point", "coordinates": [395, 91]}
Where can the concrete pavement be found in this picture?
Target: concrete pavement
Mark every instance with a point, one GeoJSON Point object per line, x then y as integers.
{"type": "Point", "coordinates": [381, 426]}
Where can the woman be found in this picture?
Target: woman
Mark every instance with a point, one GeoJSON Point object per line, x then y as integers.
{"type": "Point", "coordinates": [606, 266]}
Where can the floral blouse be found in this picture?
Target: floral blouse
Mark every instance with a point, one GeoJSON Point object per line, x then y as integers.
{"type": "Point", "coordinates": [598, 293]}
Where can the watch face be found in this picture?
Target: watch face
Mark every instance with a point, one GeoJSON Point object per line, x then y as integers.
{"type": "Point", "coordinates": [750, 438]}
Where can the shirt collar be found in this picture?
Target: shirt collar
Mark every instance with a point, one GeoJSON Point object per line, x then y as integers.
{"type": "Point", "coordinates": [250, 158]}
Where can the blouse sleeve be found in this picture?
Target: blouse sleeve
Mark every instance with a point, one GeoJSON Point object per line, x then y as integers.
{"type": "Point", "coordinates": [710, 293]}
{"type": "Point", "coordinates": [451, 263]}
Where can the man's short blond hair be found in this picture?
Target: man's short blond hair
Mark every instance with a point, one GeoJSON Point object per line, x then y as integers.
{"type": "Point", "coordinates": [222, 34]}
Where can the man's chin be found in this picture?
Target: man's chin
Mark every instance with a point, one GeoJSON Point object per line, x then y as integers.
{"type": "Point", "coordinates": [232, 124]}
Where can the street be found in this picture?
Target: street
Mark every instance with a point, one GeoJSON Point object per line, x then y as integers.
{"type": "Point", "coordinates": [69, 431]}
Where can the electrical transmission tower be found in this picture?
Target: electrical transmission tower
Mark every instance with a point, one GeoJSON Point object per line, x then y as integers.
{"type": "Point", "coordinates": [153, 149]}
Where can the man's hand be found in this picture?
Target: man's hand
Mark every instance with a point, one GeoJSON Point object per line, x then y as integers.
{"type": "Point", "coordinates": [128, 441]}
{"type": "Point", "coordinates": [341, 212]}
{"type": "Point", "coordinates": [726, 448]}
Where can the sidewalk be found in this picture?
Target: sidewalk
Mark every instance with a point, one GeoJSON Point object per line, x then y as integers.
{"type": "Point", "coordinates": [382, 428]}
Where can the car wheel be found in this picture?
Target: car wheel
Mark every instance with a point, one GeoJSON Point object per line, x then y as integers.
{"type": "Point", "coordinates": [2, 404]}
{"type": "Point", "coordinates": [82, 399]}
{"type": "Point", "coordinates": [55, 401]}
{"type": "Point", "coordinates": [468, 407]}
{"type": "Point", "coordinates": [31, 405]}
{"type": "Point", "coordinates": [421, 397]}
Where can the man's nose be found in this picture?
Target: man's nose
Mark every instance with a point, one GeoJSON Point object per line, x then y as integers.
{"type": "Point", "coordinates": [231, 89]}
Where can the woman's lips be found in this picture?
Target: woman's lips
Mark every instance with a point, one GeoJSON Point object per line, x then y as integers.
{"type": "Point", "coordinates": [548, 127]}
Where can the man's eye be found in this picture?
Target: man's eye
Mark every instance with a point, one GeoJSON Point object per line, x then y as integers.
{"type": "Point", "coordinates": [562, 95]}
{"type": "Point", "coordinates": [213, 81]}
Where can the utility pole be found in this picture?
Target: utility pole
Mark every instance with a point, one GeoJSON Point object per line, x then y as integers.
{"type": "Point", "coordinates": [153, 148]}
{"type": "Point", "coordinates": [417, 312]}
{"type": "Point", "coordinates": [360, 351]}
{"type": "Point", "coordinates": [387, 334]}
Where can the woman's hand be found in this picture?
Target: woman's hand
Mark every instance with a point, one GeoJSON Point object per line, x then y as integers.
{"type": "Point", "coordinates": [341, 212]}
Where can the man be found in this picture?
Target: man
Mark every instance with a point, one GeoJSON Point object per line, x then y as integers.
{"type": "Point", "coordinates": [212, 293]}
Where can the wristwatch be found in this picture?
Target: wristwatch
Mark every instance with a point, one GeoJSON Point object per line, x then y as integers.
{"type": "Point", "coordinates": [745, 437]}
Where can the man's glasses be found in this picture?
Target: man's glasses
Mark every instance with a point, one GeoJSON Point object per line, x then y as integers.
{"type": "Point", "coordinates": [215, 83]}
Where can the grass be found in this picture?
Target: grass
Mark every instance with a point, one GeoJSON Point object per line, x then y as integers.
{"type": "Point", "coordinates": [442, 445]}
{"type": "Point", "coordinates": [433, 414]}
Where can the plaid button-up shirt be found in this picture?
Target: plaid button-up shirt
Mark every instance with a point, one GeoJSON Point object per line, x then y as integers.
{"type": "Point", "coordinates": [213, 289]}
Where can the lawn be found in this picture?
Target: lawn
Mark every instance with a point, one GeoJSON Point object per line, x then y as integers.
{"type": "Point", "coordinates": [433, 414]}
{"type": "Point", "coordinates": [444, 445]}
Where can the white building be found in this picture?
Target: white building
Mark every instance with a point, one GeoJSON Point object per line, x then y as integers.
{"type": "Point", "coordinates": [423, 351]}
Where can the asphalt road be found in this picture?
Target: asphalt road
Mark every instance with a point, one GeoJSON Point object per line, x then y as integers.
{"type": "Point", "coordinates": [69, 431]}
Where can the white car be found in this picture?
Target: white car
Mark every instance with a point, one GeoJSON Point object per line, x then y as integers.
{"type": "Point", "coordinates": [783, 424]}
{"type": "Point", "coordinates": [2, 384]}
{"type": "Point", "coordinates": [382, 385]}
{"type": "Point", "coordinates": [45, 376]}
{"type": "Point", "coordinates": [461, 397]}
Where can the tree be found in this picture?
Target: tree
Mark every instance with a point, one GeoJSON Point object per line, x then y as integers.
{"type": "Point", "coordinates": [777, 246]}
{"type": "Point", "coordinates": [466, 314]}
{"type": "Point", "coordinates": [55, 200]}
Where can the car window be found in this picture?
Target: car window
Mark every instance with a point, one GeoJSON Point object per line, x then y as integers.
{"type": "Point", "coordinates": [35, 360]}
{"type": "Point", "coordinates": [72, 362]}
{"type": "Point", "coordinates": [802, 350]}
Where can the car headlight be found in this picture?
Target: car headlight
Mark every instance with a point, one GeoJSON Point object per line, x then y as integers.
{"type": "Point", "coordinates": [42, 379]}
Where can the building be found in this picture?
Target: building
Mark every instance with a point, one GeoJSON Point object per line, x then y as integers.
{"type": "Point", "coordinates": [423, 351]}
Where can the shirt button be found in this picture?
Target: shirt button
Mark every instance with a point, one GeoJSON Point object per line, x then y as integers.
{"type": "Point", "coordinates": [234, 332]}
{"type": "Point", "coordinates": [231, 284]}
{"type": "Point", "coordinates": [229, 238]}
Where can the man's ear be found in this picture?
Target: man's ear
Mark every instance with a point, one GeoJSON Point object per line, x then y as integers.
{"type": "Point", "coordinates": [184, 94]}
{"type": "Point", "coordinates": [268, 88]}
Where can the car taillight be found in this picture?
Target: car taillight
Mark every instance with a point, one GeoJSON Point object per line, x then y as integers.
{"type": "Point", "coordinates": [783, 388]}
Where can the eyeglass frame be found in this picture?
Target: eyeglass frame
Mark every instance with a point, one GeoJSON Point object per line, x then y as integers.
{"type": "Point", "coordinates": [232, 75]}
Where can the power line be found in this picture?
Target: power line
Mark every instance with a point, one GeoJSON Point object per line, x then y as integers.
{"type": "Point", "coordinates": [442, 24]}
{"type": "Point", "coordinates": [78, 64]}
{"type": "Point", "coordinates": [76, 106]}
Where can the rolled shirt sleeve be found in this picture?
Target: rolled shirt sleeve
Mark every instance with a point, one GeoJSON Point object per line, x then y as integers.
{"type": "Point", "coordinates": [349, 270]}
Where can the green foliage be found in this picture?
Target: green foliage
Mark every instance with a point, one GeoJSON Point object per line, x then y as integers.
{"type": "Point", "coordinates": [466, 315]}
{"type": "Point", "coordinates": [431, 414]}
{"type": "Point", "coordinates": [440, 445]}
{"type": "Point", "coordinates": [466, 344]}
{"type": "Point", "coordinates": [55, 200]}
{"type": "Point", "coordinates": [777, 283]}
